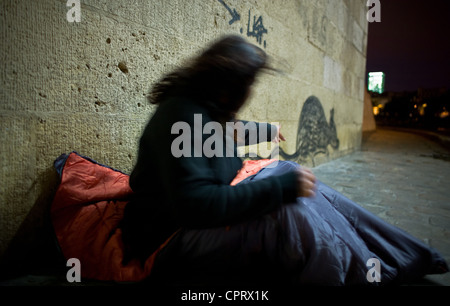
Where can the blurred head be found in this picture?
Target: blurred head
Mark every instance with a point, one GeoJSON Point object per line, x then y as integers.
{"type": "Point", "coordinates": [226, 71]}
{"type": "Point", "coordinates": [223, 74]}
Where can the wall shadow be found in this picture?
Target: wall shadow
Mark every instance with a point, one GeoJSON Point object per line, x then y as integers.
{"type": "Point", "coordinates": [34, 248]}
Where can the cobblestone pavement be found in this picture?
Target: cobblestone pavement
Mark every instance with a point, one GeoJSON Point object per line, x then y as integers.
{"type": "Point", "coordinates": [403, 178]}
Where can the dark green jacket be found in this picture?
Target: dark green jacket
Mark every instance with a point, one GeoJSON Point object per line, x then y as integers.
{"type": "Point", "coordinates": [194, 192]}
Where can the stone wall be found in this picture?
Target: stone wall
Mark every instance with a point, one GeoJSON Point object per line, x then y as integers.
{"type": "Point", "coordinates": [81, 86]}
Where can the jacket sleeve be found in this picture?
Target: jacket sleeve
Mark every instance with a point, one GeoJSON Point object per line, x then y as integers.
{"type": "Point", "coordinates": [199, 200]}
{"type": "Point", "coordinates": [249, 132]}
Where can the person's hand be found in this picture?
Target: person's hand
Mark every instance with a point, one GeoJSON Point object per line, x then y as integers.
{"type": "Point", "coordinates": [306, 181]}
{"type": "Point", "coordinates": [279, 137]}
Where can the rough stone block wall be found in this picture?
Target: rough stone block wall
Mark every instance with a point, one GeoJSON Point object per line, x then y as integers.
{"type": "Point", "coordinates": [81, 86]}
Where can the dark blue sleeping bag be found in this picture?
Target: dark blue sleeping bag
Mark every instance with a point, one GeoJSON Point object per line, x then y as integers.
{"type": "Point", "coordinates": [324, 240]}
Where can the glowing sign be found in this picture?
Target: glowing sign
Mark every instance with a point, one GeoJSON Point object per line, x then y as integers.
{"type": "Point", "coordinates": [376, 82]}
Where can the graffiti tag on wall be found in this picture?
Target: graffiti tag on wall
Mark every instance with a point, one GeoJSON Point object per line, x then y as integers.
{"type": "Point", "coordinates": [258, 29]}
{"type": "Point", "coordinates": [314, 133]}
{"type": "Point", "coordinates": [255, 29]}
{"type": "Point", "coordinates": [234, 15]}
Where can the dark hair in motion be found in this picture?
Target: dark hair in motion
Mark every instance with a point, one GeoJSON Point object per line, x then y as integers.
{"type": "Point", "coordinates": [220, 76]}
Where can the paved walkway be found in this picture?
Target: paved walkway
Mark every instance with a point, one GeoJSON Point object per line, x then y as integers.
{"type": "Point", "coordinates": [404, 178]}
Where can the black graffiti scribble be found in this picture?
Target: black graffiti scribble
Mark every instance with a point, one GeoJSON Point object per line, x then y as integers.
{"type": "Point", "coordinates": [235, 15]}
{"type": "Point", "coordinates": [314, 133]}
{"type": "Point", "coordinates": [258, 29]}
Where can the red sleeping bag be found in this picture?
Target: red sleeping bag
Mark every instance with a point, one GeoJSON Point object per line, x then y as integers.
{"type": "Point", "coordinates": [87, 209]}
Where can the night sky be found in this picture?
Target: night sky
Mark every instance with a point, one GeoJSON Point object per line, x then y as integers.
{"type": "Point", "coordinates": [411, 44]}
